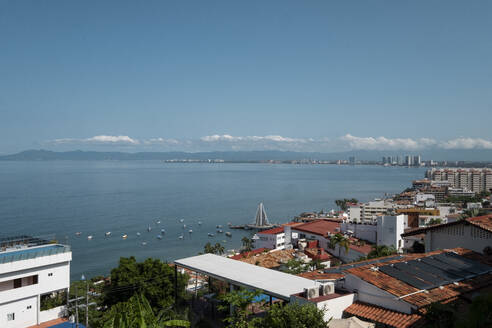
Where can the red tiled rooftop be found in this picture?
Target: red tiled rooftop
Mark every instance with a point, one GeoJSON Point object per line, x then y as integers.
{"type": "Point", "coordinates": [421, 299]}
{"type": "Point", "coordinates": [382, 315]}
{"type": "Point", "coordinates": [250, 253]}
{"type": "Point", "coordinates": [319, 227]}
{"type": "Point", "coordinates": [316, 275]}
{"type": "Point", "coordinates": [272, 231]}
{"type": "Point", "coordinates": [483, 222]}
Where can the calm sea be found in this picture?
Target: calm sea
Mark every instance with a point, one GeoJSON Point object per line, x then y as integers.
{"type": "Point", "coordinates": [65, 197]}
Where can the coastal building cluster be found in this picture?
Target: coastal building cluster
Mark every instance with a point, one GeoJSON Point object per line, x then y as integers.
{"type": "Point", "coordinates": [382, 262]}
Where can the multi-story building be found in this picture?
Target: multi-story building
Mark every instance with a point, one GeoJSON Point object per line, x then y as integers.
{"type": "Point", "coordinates": [367, 212]}
{"type": "Point", "coordinates": [476, 180]}
{"type": "Point", "coordinates": [272, 238]}
{"type": "Point", "coordinates": [32, 270]}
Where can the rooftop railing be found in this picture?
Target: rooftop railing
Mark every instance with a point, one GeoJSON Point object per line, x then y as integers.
{"type": "Point", "coordinates": [32, 252]}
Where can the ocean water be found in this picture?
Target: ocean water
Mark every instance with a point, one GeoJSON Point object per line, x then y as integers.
{"type": "Point", "coordinates": [92, 197]}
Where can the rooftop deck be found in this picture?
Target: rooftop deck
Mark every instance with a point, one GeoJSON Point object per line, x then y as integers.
{"type": "Point", "coordinates": [26, 253]}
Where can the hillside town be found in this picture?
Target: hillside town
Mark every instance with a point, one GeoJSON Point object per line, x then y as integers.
{"type": "Point", "coordinates": [386, 263]}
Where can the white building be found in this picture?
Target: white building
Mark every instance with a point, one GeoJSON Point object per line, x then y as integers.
{"type": "Point", "coordinates": [389, 230]}
{"type": "Point", "coordinates": [472, 233]}
{"type": "Point", "coordinates": [367, 212]}
{"type": "Point", "coordinates": [271, 238]}
{"type": "Point", "coordinates": [29, 271]}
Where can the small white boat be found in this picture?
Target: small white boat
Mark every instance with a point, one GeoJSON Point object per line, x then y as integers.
{"type": "Point", "coordinates": [210, 234]}
{"type": "Point", "coordinates": [184, 226]}
{"type": "Point", "coordinates": [219, 226]}
{"type": "Point", "coordinates": [181, 237]}
{"type": "Point", "coordinates": [89, 237]}
{"type": "Point", "coordinates": [182, 220]}
{"type": "Point", "coordinates": [138, 233]}
{"type": "Point", "coordinates": [124, 236]}
{"type": "Point", "coordinates": [159, 237]}
{"type": "Point", "coordinates": [107, 234]}
{"type": "Point", "coordinates": [144, 243]}
{"type": "Point", "coordinates": [158, 222]}
{"type": "Point", "coordinates": [228, 234]}
{"type": "Point", "coordinates": [78, 233]}
{"type": "Point", "coordinates": [219, 231]}
{"type": "Point", "coordinates": [190, 231]}
{"type": "Point", "coordinates": [163, 231]}
{"type": "Point", "coordinates": [149, 228]}
{"type": "Point", "coordinates": [199, 222]}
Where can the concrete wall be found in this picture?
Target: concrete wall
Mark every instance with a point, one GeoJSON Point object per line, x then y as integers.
{"type": "Point", "coordinates": [459, 235]}
{"type": "Point", "coordinates": [361, 231]}
{"type": "Point", "coordinates": [389, 230]}
{"type": "Point", "coordinates": [373, 295]}
{"type": "Point", "coordinates": [270, 241]}
{"type": "Point", "coordinates": [333, 308]}
{"type": "Point", "coordinates": [25, 311]}
{"type": "Point", "coordinates": [52, 314]}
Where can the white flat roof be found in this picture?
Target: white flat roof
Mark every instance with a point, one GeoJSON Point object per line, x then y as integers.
{"type": "Point", "coordinates": [271, 282]}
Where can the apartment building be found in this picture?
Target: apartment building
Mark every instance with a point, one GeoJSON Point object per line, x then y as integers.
{"type": "Point", "coordinates": [31, 270]}
{"type": "Point", "coordinates": [476, 180]}
{"type": "Point", "coordinates": [367, 212]}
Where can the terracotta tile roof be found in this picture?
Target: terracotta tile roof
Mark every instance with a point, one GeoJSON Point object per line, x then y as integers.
{"type": "Point", "coordinates": [421, 298]}
{"type": "Point", "coordinates": [382, 315]}
{"type": "Point", "coordinates": [318, 253]}
{"type": "Point", "coordinates": [483, 222]}
{"type": "Point", "coordinates": [273, 231]}
{"type": "Point", "coordinates": [292, 224]}
{"type": "Point", "coordinates": [269, 260]}
{"type": "Point", "coordinates": [356, 245]}
{"type": "Point", "coordinates": [319, 227]}
{"type": "Point", "coordinates": [248, 254]}
{"type": "Point", "coordinates": [316, 275]}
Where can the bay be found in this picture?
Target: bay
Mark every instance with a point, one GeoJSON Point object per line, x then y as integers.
{"type": "Point", "coordinates": [61, 198]}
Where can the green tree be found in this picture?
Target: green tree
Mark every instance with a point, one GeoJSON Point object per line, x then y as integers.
{"type": "Point", "coordinates": [341, 241]}
{"type": "Point", "coordinates": [293, 315]}
{"type": "Point", "coordinates": [440, 315]}
{"type": "Point", "coordinates": [295, 266]}
{"type": "Point", "coordinates": [239, 300]}
{"type": "Point", "coordinates": [434, 221]}
{"type": "Point", "coordinates": [247, 244]}
{"type": "Point", "coordinates": [137, 313]}
{"type": "Point", "coordinates": [342, 203]}
{"type": "Point", "coordinates": [152, 278]}
{"type": "Point", "coordinates": [219, 249]}
{"type": "Point", "coordinates": [379, 251]}
{"type": "Point", "coordinates": [316, 264]}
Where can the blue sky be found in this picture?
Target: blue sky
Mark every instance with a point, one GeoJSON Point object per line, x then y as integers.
{"type": "Point", "coordinates": [213, 75]}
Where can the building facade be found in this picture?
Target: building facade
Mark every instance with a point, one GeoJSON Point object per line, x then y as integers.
{"type": "Point", "coordinates": [28, 274]}
{"type": "Point", "coordinates": [472, 179]}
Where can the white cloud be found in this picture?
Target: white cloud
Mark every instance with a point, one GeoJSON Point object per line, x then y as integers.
{"type": "Point", "coordinates": [275, 142]}
{"type": "Point", "coordinates": [382, 143]}
{"type": "Point", "coordinates": [229, 138]}
{"type": "Point", "coordinates": [112, 139]}
{"type": "Point", "coordinates": [467, 143]}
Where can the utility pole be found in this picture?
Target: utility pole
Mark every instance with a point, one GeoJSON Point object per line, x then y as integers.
{"type": "Point", "coordinates": [76, 309]}
{"type": "Point", "coordinates": [86, 304]}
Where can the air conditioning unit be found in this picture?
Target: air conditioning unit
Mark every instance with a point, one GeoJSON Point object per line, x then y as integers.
{"type": "Point", "coordinates": [311, 292]}
{"type": "Point", "coordinates": [327, 288]}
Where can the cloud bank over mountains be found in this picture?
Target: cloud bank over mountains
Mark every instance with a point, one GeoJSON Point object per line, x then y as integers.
{"type": "Point", "coordinates": [269, 142]}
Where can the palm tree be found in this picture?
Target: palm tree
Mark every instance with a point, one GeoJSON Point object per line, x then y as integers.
{"type": "Point", "coordinates": [219, 249]}
{"type": "Point", "coordinates": [341, 241]}
{"type": "Point", "coordinates": [247, 244]}
{"type": "Point", "coordinates": [137, 312]}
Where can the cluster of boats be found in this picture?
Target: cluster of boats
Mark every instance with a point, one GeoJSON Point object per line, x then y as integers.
{"type": "Point", "coordinates": [162, 232]}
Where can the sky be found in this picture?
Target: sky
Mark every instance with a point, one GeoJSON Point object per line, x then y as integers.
{"type": "Point", "coordinates": [243, 75]}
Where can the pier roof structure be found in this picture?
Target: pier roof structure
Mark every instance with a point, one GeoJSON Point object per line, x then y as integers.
{"type": "Point", "coordinates": [275, 283]}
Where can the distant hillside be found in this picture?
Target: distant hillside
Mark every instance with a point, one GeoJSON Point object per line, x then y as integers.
{"type": "Point", "coordinates": [244, 156]}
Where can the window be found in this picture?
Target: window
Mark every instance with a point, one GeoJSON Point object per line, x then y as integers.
{"type": "Point", "coordinates": [35, 279]}
{"type": "Point", "coordinates": [29, 307]}
{"type": "Point", "coordinates": [10, 316]}
{"type": "Point", "coordinates": [17, 284]}
{"type": "Point", "coordinates": [50, 274]}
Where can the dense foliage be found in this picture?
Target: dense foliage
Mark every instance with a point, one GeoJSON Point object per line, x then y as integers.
{"type": "Point", "coordinates": [137, 313]}
{"type": "Point", "coordinates": [293, 315]}
{"type": "Point", "coordinates": [214, 249]}
{"type": "Point", "coordinates": [152, 278]}
{"type": "Point", "coordinates": [343, 203]}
